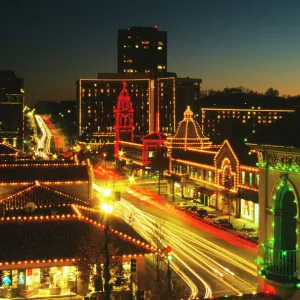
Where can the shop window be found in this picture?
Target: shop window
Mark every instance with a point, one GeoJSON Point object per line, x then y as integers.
{"type": "Point", "coordinates": [209, 176]}
{"type": "Point", "coordinates": [250, 179]}
{"type": "Point", "coordinates": [243, 177]}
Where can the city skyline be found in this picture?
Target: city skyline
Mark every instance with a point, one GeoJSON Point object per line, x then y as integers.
{"type": "Point", "coordinates": [227, 44]}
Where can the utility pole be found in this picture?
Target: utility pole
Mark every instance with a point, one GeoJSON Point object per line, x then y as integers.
{"type": "Point", "coordinates": [106, 262]}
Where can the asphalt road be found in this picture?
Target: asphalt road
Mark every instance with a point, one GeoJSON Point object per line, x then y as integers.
{"type": "Point", "coordinates": [211, 261]}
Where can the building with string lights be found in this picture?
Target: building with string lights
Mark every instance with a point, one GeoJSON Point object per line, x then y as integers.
{"type": "Point", "coordinates": [220, 123]}
{"type": "Point", "coordinates": [137, 156]}
{"type": "Point", "coordinates": [142, 49]}
{"type": "Point", "coordinates": [11, 108]}
{"type": "Point", "coordinates": [49, 240]}
{"type": "Point", "coordinates": [153, 98]}
{"type": "Point", "coordinates": [212, 174]}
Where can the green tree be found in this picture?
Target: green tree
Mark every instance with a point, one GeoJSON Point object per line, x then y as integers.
{"type": "Point", "coordinates": [270, 92]}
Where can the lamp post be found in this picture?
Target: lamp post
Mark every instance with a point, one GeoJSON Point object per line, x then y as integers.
{"type": "Point", "coordinates": [107, 208]}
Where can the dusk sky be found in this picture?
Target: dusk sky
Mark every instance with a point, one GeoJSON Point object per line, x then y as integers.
{"type": "Point", "coordinates": [227, 43]}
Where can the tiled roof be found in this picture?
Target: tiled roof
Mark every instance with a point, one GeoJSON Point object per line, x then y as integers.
{"type": "Point", "coordinates": [30, 173]}
{"type": "Point", "coordinates": [53, 239]}
{"type": "Point", "coordinates": [155, 136]}
{"type": "Point", "coordinates": [7, 149]}
{"type": "Point", "coordinates": [42, 196]}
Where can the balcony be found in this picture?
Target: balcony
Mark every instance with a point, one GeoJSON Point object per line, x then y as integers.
{"type": "Point", "coordinates": [280, 265]}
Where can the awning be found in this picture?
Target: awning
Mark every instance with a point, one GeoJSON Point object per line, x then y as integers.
{"type": "Point", "coordinates": [204, 190]}
{"type": "Point", "coordinates": [248, 195]}
{"type": "Point", "coordinates": [173, 177]}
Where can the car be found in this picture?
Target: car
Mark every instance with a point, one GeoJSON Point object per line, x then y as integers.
{"type": "Point", "coordinates": [210, 217]}
{"type": "Point", "coordinates": [202, 213]}
{"type": "Point", "coordinates": [223, 223]}
{"type": "Point", "coordinates": [247, 232]}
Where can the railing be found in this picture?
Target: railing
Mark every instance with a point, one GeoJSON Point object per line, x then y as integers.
{"type": "Point", "coordinates": [279, 265]}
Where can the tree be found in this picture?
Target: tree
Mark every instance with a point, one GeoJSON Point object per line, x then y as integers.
{"type": "Point", "coordinates": [160, 163]}
{"type": "Point", "coordinates": [270, 92]}
{"type": "Point", "coordinates": [91, 257]}
{"type": "Point", "coordinates": [228, 195]}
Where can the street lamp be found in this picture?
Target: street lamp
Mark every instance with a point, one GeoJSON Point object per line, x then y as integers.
{"type": "Point", "coordinates": [107, 208]}
{"type": "Point", "coordinates": [106, 192]}
{"type": "Point", "coordinates": [131, 179]}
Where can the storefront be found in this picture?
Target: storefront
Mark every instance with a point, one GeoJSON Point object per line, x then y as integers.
{"type": "Point", "coordinates": [249, 205]}
{"type": "Point", "coordinates": [41, 282]}
{"type": "Point", "coordinates": [249, 211]}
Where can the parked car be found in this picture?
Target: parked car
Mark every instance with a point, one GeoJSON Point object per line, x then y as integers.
{"type": "Point", "coordinates": [202, 213]}
{"type": "Point", "coordinates": [247, 232]}
{"type": "Point", "coordinates": [210, 217]}
{"type": "Point", "coordinates": [223, 223]}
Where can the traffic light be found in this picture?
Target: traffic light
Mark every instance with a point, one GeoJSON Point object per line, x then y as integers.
{"type": "Point", "coordinates": [133, 265]}
{"type": "Point", "coordinates": [140, 295]}
{"type": "Point", "coordinates": [168, 252]}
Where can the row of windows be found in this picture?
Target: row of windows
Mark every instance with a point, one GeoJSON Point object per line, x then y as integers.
{"type": "Point", "coordinates": [249, 179]}
{"type": "Point", "coordinates": [247, 112]}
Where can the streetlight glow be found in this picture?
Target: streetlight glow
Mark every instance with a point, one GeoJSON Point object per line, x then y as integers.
{"type": "Point", "coordinates": [131, 179]}
{"type": "Point", "coordinates": [106, 192]}
{"type": "Point", "coordinates": [107, 208]}
{"type": "Point", "coordinates": [121, 153]}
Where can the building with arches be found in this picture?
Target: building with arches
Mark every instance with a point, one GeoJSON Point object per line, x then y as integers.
{"type": "Point", "coordinates": [220, 176]}
{"type": "Point", "coordinates": [278, 254]}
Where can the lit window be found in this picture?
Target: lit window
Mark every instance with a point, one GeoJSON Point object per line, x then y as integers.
{"type": "Point", "coordinates": [129, 37]}
{"type": "Point", "coordinates": [243, 177]}
{"type": "Point", "coordinates": [136, 46]}
{"type": "Point", "coordinates": [124, 46]}
{"type": "Point", "coordinates": [257, 179]}
{"type": "Point", "coordinates": [159, 48]}
{"type": "Point", "coordinates": [160, 43]}
{"type": "Point", "coordinates": [209, 176]}
{"type": "Point", "coordinates": [250, 179]}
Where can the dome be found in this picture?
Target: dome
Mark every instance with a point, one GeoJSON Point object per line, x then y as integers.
{"type": "Point", "coordinates": [189, 134]}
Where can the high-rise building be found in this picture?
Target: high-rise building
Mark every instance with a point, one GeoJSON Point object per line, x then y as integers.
{"type": "Point", "coordinates": [142, 49]}
{"type": "Point", "coordinates": [187, 94]}
{"type": "Point", "coordinates": [153, 100]}
{"type": "Point", "coordinates": [221, 123]}
{"type": "Point", "coordinates": [11, 108]}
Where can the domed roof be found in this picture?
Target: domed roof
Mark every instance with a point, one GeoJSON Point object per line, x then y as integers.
{"type": "Point", "coordinates": [189, 134]}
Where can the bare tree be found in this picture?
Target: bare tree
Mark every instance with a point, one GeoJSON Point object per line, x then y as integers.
{"type": "Point", "coordinates": [91, 258]}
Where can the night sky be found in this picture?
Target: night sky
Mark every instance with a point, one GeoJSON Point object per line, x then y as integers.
{"type": "Point", "coordinates": [251, 43]}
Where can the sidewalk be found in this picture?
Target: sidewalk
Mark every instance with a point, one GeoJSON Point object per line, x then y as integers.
{"type": "Point", "coordinates": [237, 223]}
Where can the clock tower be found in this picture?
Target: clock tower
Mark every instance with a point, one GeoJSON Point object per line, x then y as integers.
{"type": "Point", "coordinates": [124, 119]}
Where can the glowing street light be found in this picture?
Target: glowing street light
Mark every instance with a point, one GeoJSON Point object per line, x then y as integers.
{"type": "Point", "coordinates": [121, 153]}
{"type": "Point", "coordinates": [131, 179]}
{"type": "Point", "coordinates": [107, 208]}
{"type": "Point", "coordinates": [106, 192]}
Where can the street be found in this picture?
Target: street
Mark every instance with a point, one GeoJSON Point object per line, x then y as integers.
{"type": "Point", "coordinates": [211, 261]}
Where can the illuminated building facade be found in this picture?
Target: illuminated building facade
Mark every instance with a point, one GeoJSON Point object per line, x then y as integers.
{"type": "Point", "coordinates": [142, 49]}
{"type": "Point", "coordinates": [187, 94]}
{"type": "Point", "coordinates": [278, 253]}
{"type": "Point", "coordinates": [138, 156]}
{"type": "Point", "coordinates": [44, 236]}
{"type": "Point", "coordinates": [218, 123]}
{"type": "Point", "coordinates": [153, 100]}
{"type": "Point", "coordinates": [11, 108]}
{"type": "Point", "coordinates": [212, 174]}
{"type": "Point", "coordinates": [66, 177]}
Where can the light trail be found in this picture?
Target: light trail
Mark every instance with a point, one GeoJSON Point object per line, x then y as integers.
{"type": "Point", "coordinates": [192, 252]}
{"type": "Point", "coordinates": [43, 141]}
